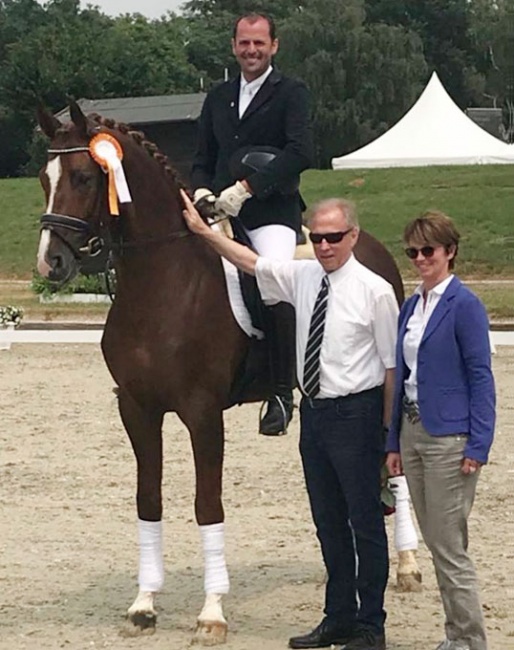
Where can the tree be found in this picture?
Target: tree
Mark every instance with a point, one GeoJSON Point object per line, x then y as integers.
{"type": "Point", "coordinates": [443, 26]}
{"type": "Point", "coordinates": [362, 77]}
{"type": "Point", "coordinates": [492, 28]}
{"type": "Point", "coordinates": [61, 50]}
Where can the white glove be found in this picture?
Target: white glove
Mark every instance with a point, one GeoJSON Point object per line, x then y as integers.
{"type": "Point", "coordinates": [203, 193]}
{"type": "Point", "coordinates": [231, 200]}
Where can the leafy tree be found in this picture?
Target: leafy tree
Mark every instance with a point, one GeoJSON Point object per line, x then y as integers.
{"type": "Point", "coordinates": [443, 26]}
{"type": "Point", "coordinates": [492, 28]}
{"type": "Point", "coordinates": [362, 77]}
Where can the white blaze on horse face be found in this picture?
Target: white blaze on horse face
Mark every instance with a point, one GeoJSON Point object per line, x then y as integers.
{"type": "Point", "coordinates": [53, 171]}
{"type": "Point", "coordinates": [43, 267]}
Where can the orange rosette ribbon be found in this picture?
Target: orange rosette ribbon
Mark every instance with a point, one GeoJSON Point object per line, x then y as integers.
{"type": "Point", "coordinates": [106, 151]}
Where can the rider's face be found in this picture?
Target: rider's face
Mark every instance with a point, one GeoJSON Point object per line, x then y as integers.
{"type": "Point", "coordinates": [253, 47]}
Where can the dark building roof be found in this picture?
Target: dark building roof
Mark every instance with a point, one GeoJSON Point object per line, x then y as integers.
{"type": "Point", "coordinates": [143, 110]}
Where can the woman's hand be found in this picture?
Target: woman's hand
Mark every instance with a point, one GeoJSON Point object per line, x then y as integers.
{"type": "Point", "coordinates": [394, 464]}
{"type": "Point", "coordinates": [470, 466]}
{"type": "Point", "coordinates": [194, 221]}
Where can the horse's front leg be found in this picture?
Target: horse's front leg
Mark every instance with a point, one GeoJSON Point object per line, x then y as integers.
{"type": "Point", "coordinates": [408, 575]}
{"type": "Point", "coordinates": [207, 438]}
{"type": "Point", "coordinates": [144, 428]}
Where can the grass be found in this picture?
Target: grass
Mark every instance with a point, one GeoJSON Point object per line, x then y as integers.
{"type": "Point", "coordinates": [480, 199]}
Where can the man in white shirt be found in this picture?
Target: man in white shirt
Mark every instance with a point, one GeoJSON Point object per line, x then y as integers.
{"type": "Point", "coordinates": [346, 321]}
{"type": "Point", "coordinates": [259, 108]}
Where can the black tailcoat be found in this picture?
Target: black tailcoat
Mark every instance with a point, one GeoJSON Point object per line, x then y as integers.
{"type": "Point", "coordinates": [278, 116]}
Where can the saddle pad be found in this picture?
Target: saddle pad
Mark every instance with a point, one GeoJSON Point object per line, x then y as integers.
{"type": "Point", "coordinates": [235, 296]}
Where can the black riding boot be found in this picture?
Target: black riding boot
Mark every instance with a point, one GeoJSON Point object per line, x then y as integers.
{"type": "Point", "coordinates": [281, 331]}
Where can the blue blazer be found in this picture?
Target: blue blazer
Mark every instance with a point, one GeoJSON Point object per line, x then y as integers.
{"type": "Point", "coordinates": [456, 391]}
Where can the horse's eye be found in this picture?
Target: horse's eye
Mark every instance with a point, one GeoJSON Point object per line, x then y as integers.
{"type": "Point", "coordinates": [81, 178]}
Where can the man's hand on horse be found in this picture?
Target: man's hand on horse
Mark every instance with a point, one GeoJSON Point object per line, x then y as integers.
{"type": "Point", "coordinates": [231, 200]}
{"type": "Point", "coordinates": [194, 221]}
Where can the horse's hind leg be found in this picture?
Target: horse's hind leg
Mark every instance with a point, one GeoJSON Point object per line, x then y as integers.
{"type": "Point", "coordinates": [206, 429]}
{"type": "Point", "coordinates": [144, 428]}
{"type": "Point", "coordinates": [408, 575]}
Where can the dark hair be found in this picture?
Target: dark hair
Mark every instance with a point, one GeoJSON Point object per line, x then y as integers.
{"type": "Point", "coordinates": [253, 18]}
{"type": "Point", "coordinates": [433, 228]}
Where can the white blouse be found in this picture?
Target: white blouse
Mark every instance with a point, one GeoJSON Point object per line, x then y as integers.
{"type": "Point", "coordinates": [416, 326]}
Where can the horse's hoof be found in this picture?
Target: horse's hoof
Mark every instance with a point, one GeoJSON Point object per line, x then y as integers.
{"type": "Point", "coordinates": [210, 633]}
{"type": "Point", "coordinates": [138, 624]}
{"type": "Point", "coordinates": [409, 582]}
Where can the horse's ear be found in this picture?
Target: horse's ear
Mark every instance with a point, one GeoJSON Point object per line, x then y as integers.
{"type": "Point", "coordinates": [78, 118]}
{"type": "Point", "coordinates": [47, 121]}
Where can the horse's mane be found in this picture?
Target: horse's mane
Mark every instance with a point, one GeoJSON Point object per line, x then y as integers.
{"type": "Point", "coordinates": [138, 136]}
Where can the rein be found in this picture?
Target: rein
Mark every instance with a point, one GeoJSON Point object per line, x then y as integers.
{"type": "Point", "coordinates": [95, 244]}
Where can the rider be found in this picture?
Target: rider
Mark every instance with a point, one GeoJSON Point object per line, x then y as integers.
{"type": "Point", "coordinates": [259, 107]}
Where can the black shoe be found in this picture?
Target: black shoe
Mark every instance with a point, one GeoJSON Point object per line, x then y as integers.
{"type": "Point", "coordinates": [365, 639]}
{"type": "Point", "coordinates": [323, 636]}
{"type": "Point", "coordinates": [278, 416]}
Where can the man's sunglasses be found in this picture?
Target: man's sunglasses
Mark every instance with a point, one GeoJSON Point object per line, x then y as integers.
{"type": "Point", "coordinates": [329, 237]}
{"type": "Point", "coordinates": [426, 251]}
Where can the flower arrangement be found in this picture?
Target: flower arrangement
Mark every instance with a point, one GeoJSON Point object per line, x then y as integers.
{"type": "Point", "coordinates": [11, 314]}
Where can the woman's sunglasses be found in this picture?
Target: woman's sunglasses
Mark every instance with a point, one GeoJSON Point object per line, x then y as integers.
{"type": "Point", "coordinates": [426, 251]}
{"type": "Point", "coordinates": [329, 237]}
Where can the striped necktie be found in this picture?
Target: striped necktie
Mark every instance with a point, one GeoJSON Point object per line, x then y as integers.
{"type": "Point", "coordinates": [313, 349]}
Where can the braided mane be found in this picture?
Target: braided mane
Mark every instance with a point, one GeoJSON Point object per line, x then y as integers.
{"type": "Point", "coordinates": [139, 137]}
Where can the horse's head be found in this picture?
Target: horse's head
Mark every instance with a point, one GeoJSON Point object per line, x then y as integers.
{"type": "Point", "coordinates": [74, 185]}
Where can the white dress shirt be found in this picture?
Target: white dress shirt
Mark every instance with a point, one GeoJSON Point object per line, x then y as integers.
{"type": "Point", "coordinates": [416, 326]}
{"type": "Point", "coordinates": [248, 90]}
{"type": "Point", "coordinates": [360, 326]}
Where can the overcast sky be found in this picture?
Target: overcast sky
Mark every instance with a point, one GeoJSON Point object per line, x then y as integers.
{"type": "Point", "coordinates": [149, 8]}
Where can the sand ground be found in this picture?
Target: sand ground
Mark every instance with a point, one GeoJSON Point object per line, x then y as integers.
{"type": "Point", "coordinates": [68, 559]}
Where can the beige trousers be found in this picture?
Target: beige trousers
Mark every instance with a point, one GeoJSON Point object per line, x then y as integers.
{"type": "Point", "coordinates": [442, 497]}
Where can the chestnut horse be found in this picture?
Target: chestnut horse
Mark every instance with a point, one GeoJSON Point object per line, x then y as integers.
{"type": "Point", "coordinates": [170, 340]}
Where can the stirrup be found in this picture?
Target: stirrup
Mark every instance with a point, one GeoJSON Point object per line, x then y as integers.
{"type": "Point", "coordinates": [278, 399]}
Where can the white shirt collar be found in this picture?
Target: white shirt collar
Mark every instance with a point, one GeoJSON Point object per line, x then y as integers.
{"type": "Point", "coordinates": [438, 290]}
{"type": "Point", "coordinates": [344, 270]}
{"type": "Point", "coordinates": [255, 84]}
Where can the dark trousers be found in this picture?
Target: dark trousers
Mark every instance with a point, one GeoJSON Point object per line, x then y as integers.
{"type": "Point", "coordinates": [342, 449]}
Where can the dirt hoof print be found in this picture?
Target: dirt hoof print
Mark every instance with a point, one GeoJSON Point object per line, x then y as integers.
{"type": "Point", "coordinates": [139, 625]}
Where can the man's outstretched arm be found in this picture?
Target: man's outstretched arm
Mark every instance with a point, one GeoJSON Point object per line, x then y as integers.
{"type": "Point", "coordinates": [244, 258]}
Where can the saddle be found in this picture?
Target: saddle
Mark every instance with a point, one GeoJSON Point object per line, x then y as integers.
{"type": "Point", "coordinates": [254, 376]}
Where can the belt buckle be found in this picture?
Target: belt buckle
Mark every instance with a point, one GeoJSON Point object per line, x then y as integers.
{"type": "Point", "coordinates": [411, 410]}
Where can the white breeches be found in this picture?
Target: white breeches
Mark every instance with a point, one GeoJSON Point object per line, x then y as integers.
{"type": "Point", "coordinates": [275, 241]}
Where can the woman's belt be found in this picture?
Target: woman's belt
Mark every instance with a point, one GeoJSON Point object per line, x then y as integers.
{"type": "Point", "coordinates": [411, 410]}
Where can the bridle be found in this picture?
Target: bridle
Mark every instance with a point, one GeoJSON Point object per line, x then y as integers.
{"type": "Point", "coordinates": [95, 244]}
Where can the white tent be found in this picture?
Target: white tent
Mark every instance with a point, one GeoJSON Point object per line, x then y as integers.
{"type": "Point", "coordinates": [433, 132]}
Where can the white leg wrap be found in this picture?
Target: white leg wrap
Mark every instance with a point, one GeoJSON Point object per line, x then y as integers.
{"type": "Point", "coordinates": [216, 574]}
{"type": "Point", "coordinates": [151, 568]}
{"type": "Point", "coordinates": [405, 535]}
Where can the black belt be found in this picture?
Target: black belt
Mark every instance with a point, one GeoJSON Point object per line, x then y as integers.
{"type": "Point", "coordinates": [411, 410]}
{"type": "Point", "coordinates": [327, 402]}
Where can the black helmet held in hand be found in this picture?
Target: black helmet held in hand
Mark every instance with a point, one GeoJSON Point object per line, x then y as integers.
{"type": "Point", "coordinates": [249, 160]}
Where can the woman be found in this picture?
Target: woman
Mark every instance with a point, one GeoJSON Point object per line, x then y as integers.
{"type": "Point", "coordinates": [443, 417]}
